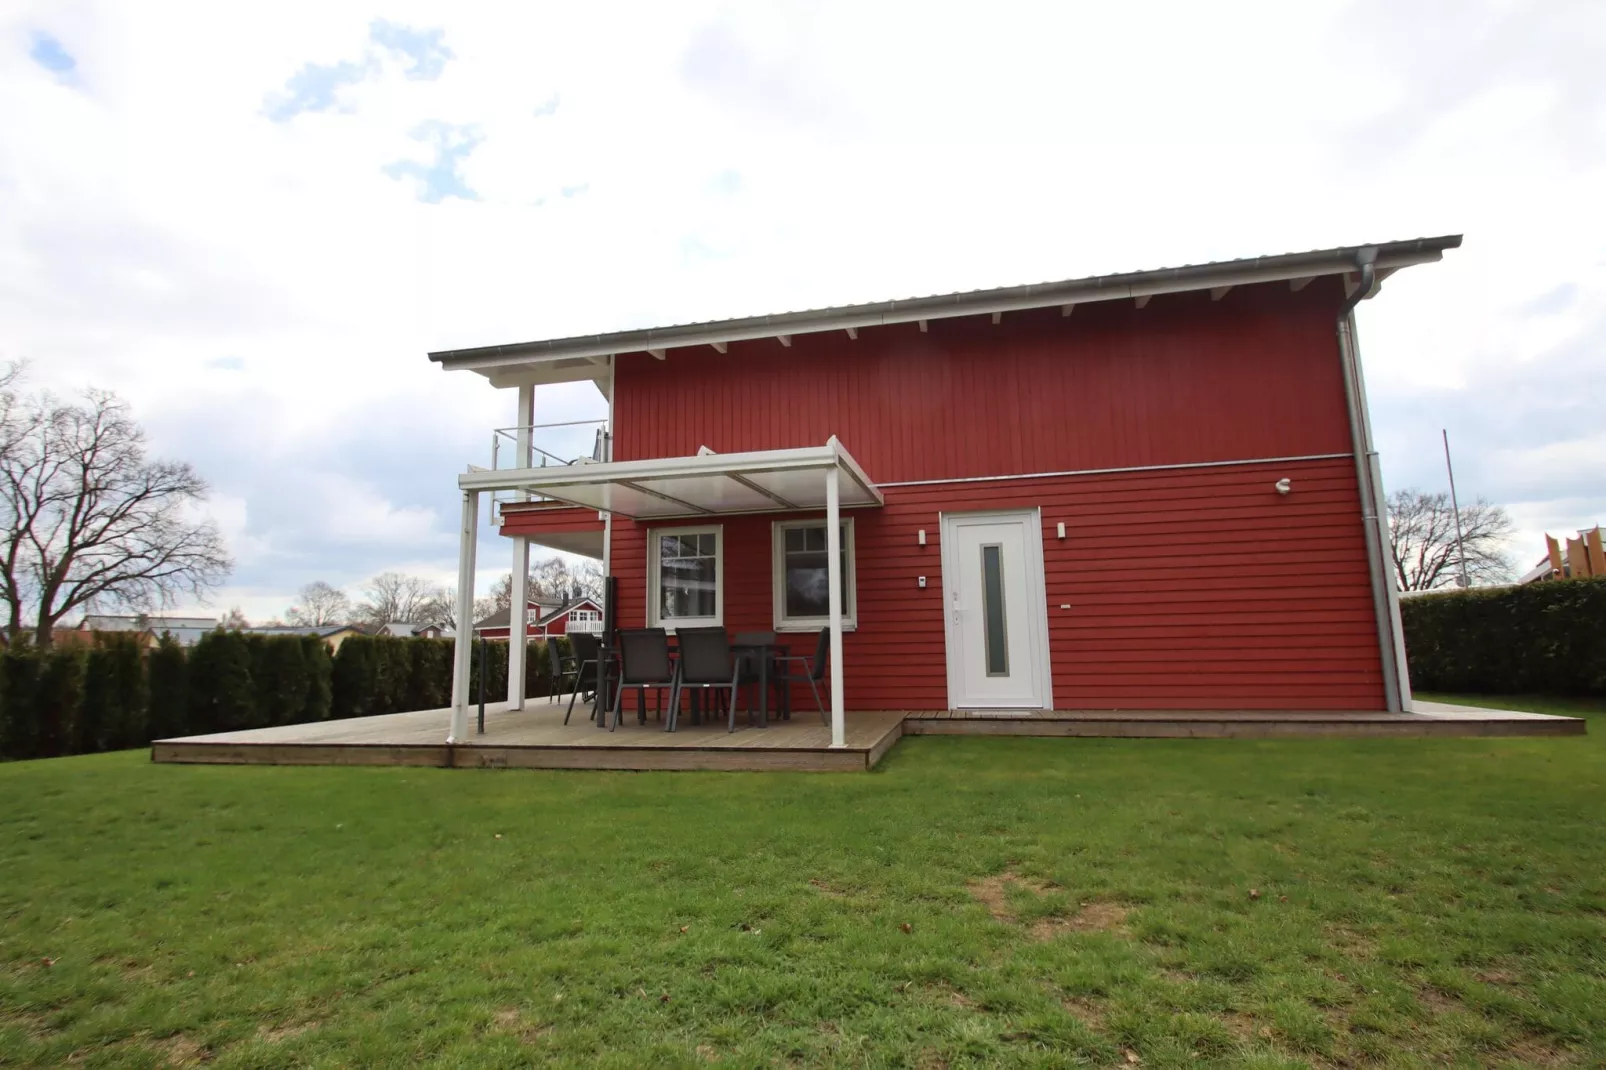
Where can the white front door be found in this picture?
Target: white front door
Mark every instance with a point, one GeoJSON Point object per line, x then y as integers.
{"type": "Point", "coordinates": [997, 615]}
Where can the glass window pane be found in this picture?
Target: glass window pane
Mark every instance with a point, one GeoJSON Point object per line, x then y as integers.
{"type": "Point", "coordinates": [687, 576]}
{"type": "Point", "coordinates": [992, 599]}
{"type": "Point", "coordinates": [805, 580]}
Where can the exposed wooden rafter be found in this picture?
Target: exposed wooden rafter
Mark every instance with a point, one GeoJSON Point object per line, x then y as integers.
{"type": "Point", "coordinates": [719, 347]}
{"type": "Point", "coordinates": [997, 318]}
{"type": "Point", "coordinates": [1297, 285]}
{"type": "Point", "coordinates": [785, 340]}
{"type": "Point", "coordinates": [1218, 292]}
{"type": "Point", "coordinates": [657, 354]}
{"type": "Point", "coordinates": [1141, 301]}
{"type": "Point", "coordinates": [853, 332]}
{"type": "Point", "coordinates": [922, 326]}
{"type": "Point", "coordinates": [1066, 310]}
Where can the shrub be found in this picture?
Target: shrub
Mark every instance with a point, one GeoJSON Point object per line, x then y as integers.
{"type": "Point", "coordinates": [168, 674]}
{"type": "Point", "coordinates": [220, 692]}
{"type": "Point", "coordinates": [495, 657]}
{"type": "Point", "coordinates": [278, 678]}
{"type": "Point", "coordinates": [57, 702]}
{"type": "Point", "coordinates": [19, 701]}
{"type": "Point", "coordinates": [315, 655]}
{"type": "Point", "coordinates": [115, 713]}
{"type": "Point", "coordinates": [352, 678]}
{"type": "Point", "coordinates": [429, 673]}
{"type": "Point", "coordinates": [1542, 637]}
{"type": "Point", "coordinates": [393, 672]}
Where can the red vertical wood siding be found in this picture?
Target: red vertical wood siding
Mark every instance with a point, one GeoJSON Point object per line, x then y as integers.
{"type": "Point", "coordinates": [1187, 587]}
{"type": "Point", "coordinates": [1185, 379]}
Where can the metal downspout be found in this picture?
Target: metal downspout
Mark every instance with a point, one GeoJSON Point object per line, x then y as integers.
{"type": "Point", "coordinates": [1374, 514]}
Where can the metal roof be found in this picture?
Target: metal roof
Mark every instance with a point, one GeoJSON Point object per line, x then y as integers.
{"type": "Point", "coordinates": [707, 485]}
{"type": "Point", "coordinates": [1387, 257]}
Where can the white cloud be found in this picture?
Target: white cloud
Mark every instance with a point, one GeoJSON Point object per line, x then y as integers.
{"type": "Point", "coordinates": [264, 293]}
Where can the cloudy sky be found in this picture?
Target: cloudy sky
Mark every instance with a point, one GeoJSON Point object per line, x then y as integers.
{"type": "Point", "coordinates": [254, 221]}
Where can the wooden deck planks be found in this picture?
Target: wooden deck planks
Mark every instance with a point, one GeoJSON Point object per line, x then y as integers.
{"type": "Point", "coordinates": [536, 738]}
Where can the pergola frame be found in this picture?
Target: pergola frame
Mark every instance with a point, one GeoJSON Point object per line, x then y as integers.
{"type": "Point", "coordinates": [811, 477]}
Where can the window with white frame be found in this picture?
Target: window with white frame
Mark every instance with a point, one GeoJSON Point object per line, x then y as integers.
{"type": "Point", "coordinates": [802, 589]}
{"type": "Point", "coordinates": [685, 577]}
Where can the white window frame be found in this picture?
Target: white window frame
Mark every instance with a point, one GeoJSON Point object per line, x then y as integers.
{"type": "Point", "coordinates": [850, 611]}
{"type": "Point", "coordinates": [653, 569]}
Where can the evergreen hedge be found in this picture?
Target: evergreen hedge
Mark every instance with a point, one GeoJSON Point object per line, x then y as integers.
{"type": "Point", "coordinates": [116, 693]}
{"type": "Point", "coordinates": [1545, 638]}
{"type": "Point", "coordinates": [115, 713]}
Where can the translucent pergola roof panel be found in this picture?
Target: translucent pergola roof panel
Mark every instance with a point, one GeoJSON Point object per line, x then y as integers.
{"type": "Point", "coordinates": [710, 484]}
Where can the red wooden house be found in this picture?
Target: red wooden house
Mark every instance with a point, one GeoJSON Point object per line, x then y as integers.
{"type": "Point", "coordinates": [1146, 491]}
{"type": "Point", "coordinates": [545, 619]}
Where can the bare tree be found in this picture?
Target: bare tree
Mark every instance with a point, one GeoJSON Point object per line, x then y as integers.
{"type": "Point", "coordinates": [87, 520]}
{"type": "Point", "coordinates": [319, 604]}
{"type": "Point", "coordinates": [552, 579]}
{"type": "Point", "coordinates": [235, 620]}
{"type": "Point", "coordinates": [502, 591]}
{"type": "Point", "coordinates": [441, 608]}
{"type": "Point", "coordinates": [392, 596]}
{"type": "Point", "coordinates": [1422, 541]}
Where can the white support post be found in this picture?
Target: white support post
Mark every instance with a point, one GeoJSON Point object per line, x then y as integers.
{"type": "Point", "coordinates": [833, 601]}
{"type": "Point", "coordinates": [518, 635]}
{"type": "Point", "coordinates": [463, 643]}
{"type": "Point", "coordinates": [518, 624]}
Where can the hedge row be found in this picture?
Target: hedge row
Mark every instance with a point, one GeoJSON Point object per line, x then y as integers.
{"type": "Point", "coordinates": [1543, 637]}
{"type": "Point", "coordinates": [116, 694]}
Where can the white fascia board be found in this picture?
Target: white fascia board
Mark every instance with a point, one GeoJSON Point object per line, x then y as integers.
{"type": "Point", "coordinates": [712, 464]}
{"type": "Point", "coordinates": [1017, 299]}
{"type": "Point", "coordinates": [551, 481]}
{"type": "Point", "coordinates": [851, 467]}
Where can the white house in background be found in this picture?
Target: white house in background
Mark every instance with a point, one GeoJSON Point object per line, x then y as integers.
{"type": "Point", "coordinates": [398, 629]}
{"type": "Point", "coordinates": [185, 630]}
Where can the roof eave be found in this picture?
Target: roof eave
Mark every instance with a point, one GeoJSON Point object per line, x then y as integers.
{"type": "Point", "coordinates": [1389, 256]}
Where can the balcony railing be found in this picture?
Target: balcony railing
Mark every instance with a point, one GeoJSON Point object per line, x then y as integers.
{"type": "Point", "coordinates": [592, 626]}
{"type": "Point", "coordinates": [556, 444]}
{"type": "Point", "coordinates": [561, 443]}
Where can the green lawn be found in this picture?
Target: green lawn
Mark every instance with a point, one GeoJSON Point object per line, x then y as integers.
{"type": "Point", "coordinates": [973, 902]}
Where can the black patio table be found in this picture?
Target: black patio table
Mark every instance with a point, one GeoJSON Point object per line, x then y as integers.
{"type": "Point", "coordinates": [765, 646]}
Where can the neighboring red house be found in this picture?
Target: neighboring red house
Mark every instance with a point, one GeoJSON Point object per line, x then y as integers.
{"type": "Point", "coordinates": [546, 619]}
{"type": "Point", "coordinates": [1146, 491]}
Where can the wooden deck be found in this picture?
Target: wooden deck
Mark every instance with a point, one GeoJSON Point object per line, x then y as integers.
{"type": "Point", "coordinates": [1429, 719]}
{"type": "Point", "coordinates": [536, 737]}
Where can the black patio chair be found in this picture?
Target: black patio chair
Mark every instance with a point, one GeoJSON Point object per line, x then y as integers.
{"type": "Point", "coordinates": [644, 662]}
{"type": "Point", "coordinates": [587, 648]}
{"type": "Point", "coordinates": [705, 664]}
{"type": "Point", "coordinates": [798, 669]}
{"type": "Point", "coordinates": [565, 672]}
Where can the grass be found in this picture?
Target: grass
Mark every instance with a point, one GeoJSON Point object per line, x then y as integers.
{"type": "Point", "coordinates": [975, 902]}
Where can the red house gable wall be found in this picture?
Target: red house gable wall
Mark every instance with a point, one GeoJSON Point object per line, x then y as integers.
{"type": "Point", "coordinates": [1185, 587]}
{"type": "Point", "coordinates": [1184, 379]}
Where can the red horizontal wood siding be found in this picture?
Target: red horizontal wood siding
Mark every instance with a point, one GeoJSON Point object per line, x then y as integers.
{"type": "Point", "coordinates": [1196, 588]}
{"type": "Point", "coordinates": [1185, 379]}
{"type": "Point", "coordinates": [536, 521]}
